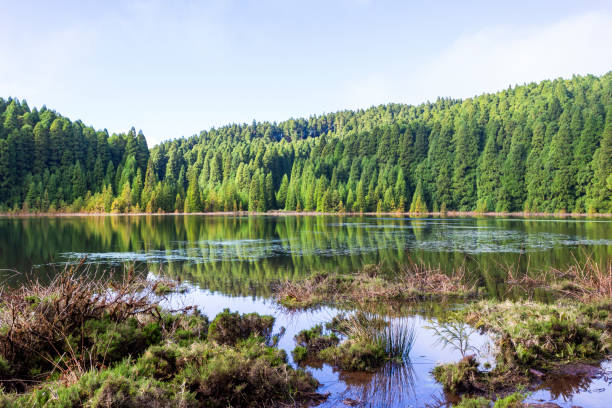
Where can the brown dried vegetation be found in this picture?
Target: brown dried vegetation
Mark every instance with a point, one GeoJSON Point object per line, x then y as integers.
{"type": "Point", "coordinates": [411, 283]}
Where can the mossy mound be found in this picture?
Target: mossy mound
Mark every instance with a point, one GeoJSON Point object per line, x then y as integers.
{"type": "Point", "coordinates": [514, 400]}
{"type": "Point", "coordinates": [533, 334]}
{"type": "Point", "coordinates": [230, 328]}
{"type": "Point", "coordinates": [310, 342]}
{"type": "Point", "coordinates": [461, 377]}
{"type": "Point", "coordinates": [355, 355]}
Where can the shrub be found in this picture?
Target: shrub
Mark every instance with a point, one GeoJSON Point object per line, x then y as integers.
{"type": "Point", "coordinates": [229, 328]}
{"type": "Point", "coordinates": [313, 340]}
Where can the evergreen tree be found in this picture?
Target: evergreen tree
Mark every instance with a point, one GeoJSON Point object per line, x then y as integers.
{"type": "Point", "coordinates": [281, 196]}
{"type": "Point", "coordinates": [418, 204]}
{"type": "Point", "coordinates": [464, 168]}
{"type": "Point", "coordinates": [79, 187]}
{"type": "Point", "coordinates": [600, 190]}
{"type": "Point", "coordinates": [192, 200]}
{"type": "Point", "coordinates": [559, 167]}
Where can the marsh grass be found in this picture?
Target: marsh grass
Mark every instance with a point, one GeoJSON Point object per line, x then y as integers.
{"type": "Point", "coordinates": [357, 342]}
{"type": "Point", "coordinates": [395, 336]}
{"type": "Point", "coordinates": [86, 340]}
{"type": "Point", "coordinates": [412, 282]}
{"type": "Point", "coordinates": [82, 319]}
{"type": "Point", "coordinates": [586, 281]}
{"type": "Point", "coordinates": [589, 281]}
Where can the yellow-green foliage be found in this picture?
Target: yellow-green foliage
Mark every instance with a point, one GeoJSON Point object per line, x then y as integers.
{"type": "Point", "coordinates": [511, 401]}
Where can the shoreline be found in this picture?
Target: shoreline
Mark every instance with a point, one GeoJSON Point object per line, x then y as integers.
{"type": "Point", "coordinates": [280, 213]}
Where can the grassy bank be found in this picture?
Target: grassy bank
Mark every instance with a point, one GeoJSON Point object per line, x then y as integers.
{"type": "Point", "coordinates": [100, 343]}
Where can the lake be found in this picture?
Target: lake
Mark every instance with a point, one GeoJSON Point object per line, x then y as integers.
{"type": "Point", "coordinates": [233, 261]}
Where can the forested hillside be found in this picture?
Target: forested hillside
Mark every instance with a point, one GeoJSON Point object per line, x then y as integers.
{"type": "Point", "coordinates": [544, 147]}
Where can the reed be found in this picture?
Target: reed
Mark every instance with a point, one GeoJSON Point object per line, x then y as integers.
{"type": "Point", "coordinates": [395, 336]}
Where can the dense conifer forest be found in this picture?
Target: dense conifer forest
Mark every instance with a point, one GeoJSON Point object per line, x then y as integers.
{"type": "Point", "coordinates": [541, 147]}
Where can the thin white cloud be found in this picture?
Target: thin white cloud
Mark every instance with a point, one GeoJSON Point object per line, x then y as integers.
{"type": "Point", "coordinates": [494, 58]}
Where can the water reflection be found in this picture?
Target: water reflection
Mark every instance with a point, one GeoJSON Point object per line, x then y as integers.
{"type": "Point", "coordinates": [582, 385]}
{"type": "Point", "coordinates": [392, 385]}
{"type": "Point", "coordinates": [231, 262]}
{"type": "Point", "coordinates": [243, 255]}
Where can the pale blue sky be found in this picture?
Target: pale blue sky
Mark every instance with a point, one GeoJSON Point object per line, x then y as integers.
{"type": "Point", "coordinates": [173, 68]}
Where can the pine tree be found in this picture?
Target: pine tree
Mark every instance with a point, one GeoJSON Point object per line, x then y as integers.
{"type": "Point", "coordinates": [269, 198]}
{"type": "Point", "coordinates": [583, 156]}
{"type": "Point", "coordinates": [400, 191]}
{"type": "Point", "coordinates": [464, 168]}
{"type": "Point", "coordinates": [418, 204]}
{"type": "Point", "coordinates": [41, 147]}
{"type": "Point", "coordinates": [360, 201]}
{"type": "Point", "coordinates": [192, 200]}
{"type": "Point", "coordinates": [281, 196]}
{"type": "Point", "coordinates": [536, 186]}
{"type": "Point", "coordinates": [137, 188]}
{"type": "Point", "coordinates": [488, 173]}
{"type": "Point", "coordinates": [559, 166]}
{"type": "Point", "coordinates": [79, 187]}
{"type": "Point", "coordinates": [5, 171]}
{"type": "Point", "coordinates": [600, 190]}
{"type": "Point", "coordinates": [513, 194]}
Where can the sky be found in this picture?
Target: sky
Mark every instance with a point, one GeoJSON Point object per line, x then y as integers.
{"type": "Point", "coordinates": [174, 68]}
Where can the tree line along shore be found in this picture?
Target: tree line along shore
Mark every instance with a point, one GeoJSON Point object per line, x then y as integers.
{"type": "Point", "coordinates": [537, 148]}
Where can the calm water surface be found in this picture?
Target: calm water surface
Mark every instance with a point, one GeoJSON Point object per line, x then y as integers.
{"type": "Point", "coordinates": [233, 261]}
